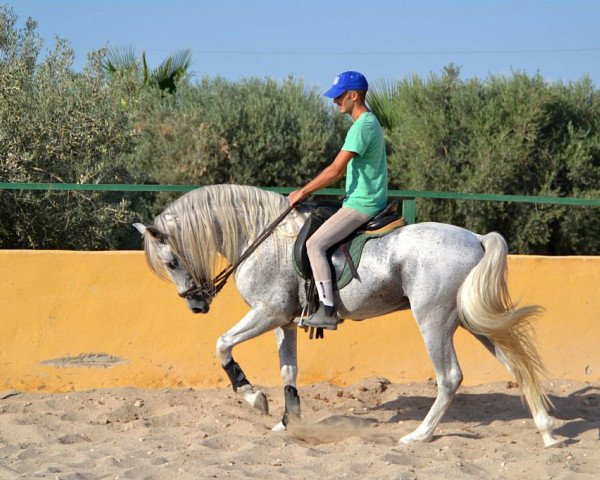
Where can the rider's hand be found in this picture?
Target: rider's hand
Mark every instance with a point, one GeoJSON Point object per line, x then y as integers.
{"type": "Point", "coordinates": [295, 197]}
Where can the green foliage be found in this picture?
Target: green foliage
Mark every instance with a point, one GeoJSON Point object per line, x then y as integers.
{"type": "Point", "coordinates": [117, 123]}
{"type": "Point", "coordinates": [255, 132]}
{"type": "Point", "coordinates": [58, 126]}
{"type": "Point", "coordinates": [109, 125]}
{"type": "Point", "coordinates": [507, 135]}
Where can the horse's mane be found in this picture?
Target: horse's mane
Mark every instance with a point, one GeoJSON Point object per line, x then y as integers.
{"type": "Point", "coordinates": [214, 218]}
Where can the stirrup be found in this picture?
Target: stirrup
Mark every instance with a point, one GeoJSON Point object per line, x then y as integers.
{"type": "Point", "coordinates": [321, 319]}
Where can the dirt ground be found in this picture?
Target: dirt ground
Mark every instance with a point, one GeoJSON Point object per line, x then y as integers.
{"type": "Point", "coordinates": [347, 432]}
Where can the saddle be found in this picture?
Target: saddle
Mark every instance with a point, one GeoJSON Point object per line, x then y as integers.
{"type": "Point", "coordinates": [344, 257]}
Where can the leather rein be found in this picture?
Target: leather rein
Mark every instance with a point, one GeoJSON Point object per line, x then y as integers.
{"type": "Point", "coordinates": [210, 289]}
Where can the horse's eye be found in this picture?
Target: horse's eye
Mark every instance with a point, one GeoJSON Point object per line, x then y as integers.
{"type": "Point", "coordinates": [173, 264]}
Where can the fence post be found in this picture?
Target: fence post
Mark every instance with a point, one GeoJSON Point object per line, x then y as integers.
{"type": "Point", "coordinates": [409, 209]}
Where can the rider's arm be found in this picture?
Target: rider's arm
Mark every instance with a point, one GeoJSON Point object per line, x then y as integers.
{"type": "Point", "coordinates": [333, 172]}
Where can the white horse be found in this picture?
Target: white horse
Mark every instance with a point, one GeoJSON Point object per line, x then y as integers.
{"type": "Point", "coordinates": [446, 275]}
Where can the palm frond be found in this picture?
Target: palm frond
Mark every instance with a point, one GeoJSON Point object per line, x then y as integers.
{"type": "Point", "coordinates": [381, 101]}
{"type": "Point", "coordinates": [172, 70]}
{"type": "Point", "coordinates": [120, 58]}
{"type": "Point", "coordinates": [145, 69]}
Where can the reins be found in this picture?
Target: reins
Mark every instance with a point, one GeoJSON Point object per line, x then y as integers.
{"type": "Point", "coordinates": [221, 278]}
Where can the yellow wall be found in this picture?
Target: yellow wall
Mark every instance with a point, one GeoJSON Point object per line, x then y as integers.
{"type": "Point", "coordinates": [60, 305]}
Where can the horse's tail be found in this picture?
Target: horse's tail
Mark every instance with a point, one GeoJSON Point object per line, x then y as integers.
{"type": "Point", "coordinates": [485, 308]}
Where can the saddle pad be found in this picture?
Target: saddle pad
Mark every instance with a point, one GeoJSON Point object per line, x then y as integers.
{"type": "Point", "coordinates": [355, 248]}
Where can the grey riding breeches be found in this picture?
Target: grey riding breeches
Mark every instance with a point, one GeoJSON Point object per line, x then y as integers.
{"type": "Point", "coordinates": [336, 228]}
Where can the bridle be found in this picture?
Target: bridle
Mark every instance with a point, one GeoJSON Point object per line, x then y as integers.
{"type": "Point", "coordinates": [210, 289]}
{"type": "Point", "coordinates": [205, 290]}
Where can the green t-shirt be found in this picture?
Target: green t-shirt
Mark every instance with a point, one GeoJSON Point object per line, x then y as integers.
{"type": "Point", "coordinates": [366, 173]}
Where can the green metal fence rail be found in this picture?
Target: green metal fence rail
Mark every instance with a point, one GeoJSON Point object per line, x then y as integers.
{"type": "Point", "coordinates": [408, 197]}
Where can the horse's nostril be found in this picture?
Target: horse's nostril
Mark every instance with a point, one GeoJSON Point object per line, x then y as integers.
{"type": "Point", "coordinates": [202, 309]}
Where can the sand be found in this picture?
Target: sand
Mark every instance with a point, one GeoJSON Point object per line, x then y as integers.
{"type": "Point", "coordinates": [347, 432]}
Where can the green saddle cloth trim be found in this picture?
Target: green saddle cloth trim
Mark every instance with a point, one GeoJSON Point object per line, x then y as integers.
{"type": "Point", "coordinates": [356, 249]}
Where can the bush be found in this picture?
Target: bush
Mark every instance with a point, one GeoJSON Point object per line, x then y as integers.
{"type": "Point", "coordinates": [505, 135]}
{"type": "Point", "coordinates": [254, 132]}
{"type": "Point", "coordinates": [513, 135]}
{"type": "Point", "coordinates": [59, 126]}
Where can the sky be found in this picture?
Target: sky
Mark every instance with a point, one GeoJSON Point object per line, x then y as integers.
{"type": "Point", "coordinates": [315, 40]}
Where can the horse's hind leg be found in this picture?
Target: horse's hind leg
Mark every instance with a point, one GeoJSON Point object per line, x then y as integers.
{"type": "Point", "coordinates": [288, 362]}
{"type": "Point", "coordinates": [437, 329]}
{"type": "Point", "coordinates": [496, 352]}
{"type": "Point", "coordinates": [543, 421]}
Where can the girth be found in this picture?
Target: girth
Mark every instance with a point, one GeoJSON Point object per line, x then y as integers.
{"type": "Point", "coordinates": [344, 256]}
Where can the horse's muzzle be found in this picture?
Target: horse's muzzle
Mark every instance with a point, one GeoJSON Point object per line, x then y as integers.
{"type": "Point", "coordinates": [201, 308]}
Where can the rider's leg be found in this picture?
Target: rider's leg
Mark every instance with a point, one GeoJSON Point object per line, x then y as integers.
{"type": "Point", "coordinates": [335, 229]}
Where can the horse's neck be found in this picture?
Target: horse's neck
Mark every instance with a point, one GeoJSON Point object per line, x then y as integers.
{"type": "Point", "coordinates": [233, 248]}
{"type": "Point", "coordinates": [245, 241]}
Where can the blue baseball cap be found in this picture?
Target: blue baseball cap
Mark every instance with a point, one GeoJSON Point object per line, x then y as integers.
{"type": "Point", "coordinates": [347, 81]}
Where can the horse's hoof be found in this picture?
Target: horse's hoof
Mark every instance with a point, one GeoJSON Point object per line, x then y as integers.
{"type": "Point", "coordinates": [554, 443]}
{"type": "Point", "coordinates": [261, 403]}
{"type": "Point", "coordinates": [280, 427]}
{"type": "Point", "coordinates": [416, 437]}
{"type": "Point", "coordinates": [255, 398]}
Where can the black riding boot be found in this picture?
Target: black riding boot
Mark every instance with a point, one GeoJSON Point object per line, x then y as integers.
{"type": "Point", "coordinates": [324, 317]}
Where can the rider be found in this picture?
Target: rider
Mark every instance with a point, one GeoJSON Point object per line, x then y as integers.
{"type": "Point", "coordinates": [362, 160]}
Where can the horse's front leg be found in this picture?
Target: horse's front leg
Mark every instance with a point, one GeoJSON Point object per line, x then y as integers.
{"type": "Point", "coordinates": [288, 363]}
{"type": "Point", "coordinates": [256, 322]}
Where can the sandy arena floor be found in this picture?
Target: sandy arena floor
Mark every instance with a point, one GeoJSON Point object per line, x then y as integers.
{"type": "Point", "coordinates": [349, 432]}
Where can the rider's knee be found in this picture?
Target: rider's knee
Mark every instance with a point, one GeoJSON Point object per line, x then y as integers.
{"type": "Point", "coordinates": [314, 247]}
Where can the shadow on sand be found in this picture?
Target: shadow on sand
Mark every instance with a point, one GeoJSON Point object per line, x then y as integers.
{"type": "Point", "coordinates": [579, 409]}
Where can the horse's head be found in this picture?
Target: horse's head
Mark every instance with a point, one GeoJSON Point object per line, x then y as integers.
{"type": "Point", "coordinates": [162, 258]}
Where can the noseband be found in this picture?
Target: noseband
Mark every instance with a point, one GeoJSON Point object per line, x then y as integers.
{"type": "Point", "coordinates": [205, 290]}
{"type": "Point", "coordinates": [208, 290]}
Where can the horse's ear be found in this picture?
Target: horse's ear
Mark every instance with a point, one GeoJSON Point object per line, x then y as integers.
{"type": "Point", "coordinates": [140, 227]}
{"type": "Point", "coordinates": [152, 231]}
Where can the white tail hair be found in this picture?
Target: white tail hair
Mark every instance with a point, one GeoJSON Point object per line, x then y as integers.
{"type": "Point", "coordinates": [485, 308]}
